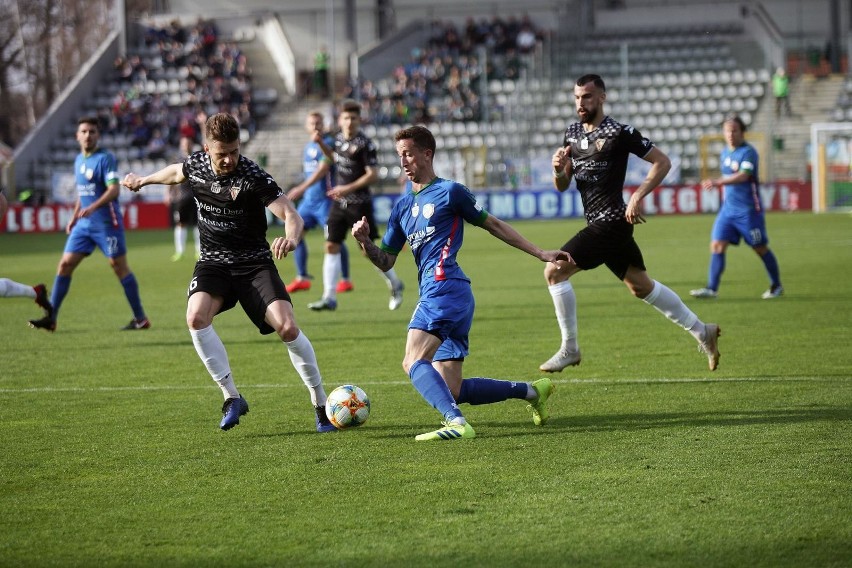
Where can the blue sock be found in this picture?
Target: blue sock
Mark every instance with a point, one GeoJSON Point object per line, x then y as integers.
{"type": "Point", "coordinates": [431, 386]}
{"type": "Point", "coordinates": [344, 261]}
{"type": "Point", "coordinates": [480, 390]}
{"type": "Point", "coordinates": [301, 254]}
{"type": "Point", "coordinates": [717, 267]}
{"type": "Point", "coordinates": [771, 264]}
{"type": "Point", "coordinates": [131, 290]}
{"type": "Point", "coordinates": [61, 284]}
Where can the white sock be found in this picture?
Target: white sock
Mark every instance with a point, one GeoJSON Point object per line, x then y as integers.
{"type": "Point", "coordinates": [565, 303]}
{"type": "Point", "coordinates": [229, 389]}
{"type": "Point", "coordinates": [12, 289]}
{"type": "Point", "coordinates": [212, 353]}
{"type": "Point", "coordinates": [670, 305]}
{"type": "Point", "coordinates": [331, 267]}
{"type": "Point", "coordinates": [197, 236]}
{"type": "Point", "coordinates": [305, 362]}
{"type": "Point", "coordinates": [391, 279]}
{"type": "Point", "coordinates": [180, 239]}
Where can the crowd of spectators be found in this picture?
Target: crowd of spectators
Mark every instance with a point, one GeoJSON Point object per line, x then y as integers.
{"type": "Point", "coordinates": [212, 76]}
{"type": "Point", "coordinates": [443, 80]}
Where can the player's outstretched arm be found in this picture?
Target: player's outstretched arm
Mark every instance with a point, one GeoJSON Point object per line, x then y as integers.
{"type": "Point", "coordinates": [509, 235]}
{"type": "Point", "coordinates": [384, 261]}
{"type": "Point", "coordinates": [170, 175]}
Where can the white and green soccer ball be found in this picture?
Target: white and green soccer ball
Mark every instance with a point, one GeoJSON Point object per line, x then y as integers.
{"type": "Point", "coordinates": [347, 406]}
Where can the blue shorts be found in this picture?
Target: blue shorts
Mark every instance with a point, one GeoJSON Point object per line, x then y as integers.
{"type": "Point", "coordinates": [446, 311]}
{"type": "Point", "coordinates": [85, 236]}
{"type": "Point", "coordinates": [750, 227]}
{"type": "Point", "coordinates": [313, 216]}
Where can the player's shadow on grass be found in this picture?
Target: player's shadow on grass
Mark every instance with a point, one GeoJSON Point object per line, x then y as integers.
{"type": "Point", "coordinates": [384, 430]}
{"type": "Point", "coordinates": [627, 422]}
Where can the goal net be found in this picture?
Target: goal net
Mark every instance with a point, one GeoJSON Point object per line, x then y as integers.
{"type": "Point", "coordinates": [830, 152]}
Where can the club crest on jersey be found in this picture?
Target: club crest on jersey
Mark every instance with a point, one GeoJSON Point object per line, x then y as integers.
{"type": "Point", "coordinates": [599, 144]}
{"type": "Point", "coordinates": [415, 211]}
{"type": "Point", "coordinates": [428, 210]}
{"type": "Point", "coordinates": [235, 191]}
{"type": "Point", "coordinates": [90, 173]}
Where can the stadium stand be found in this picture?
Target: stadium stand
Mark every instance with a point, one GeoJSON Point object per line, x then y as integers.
{"type": "Point", "coordinates": [681, 83]}
{"type": "Point", "coordinates": [161, 92]}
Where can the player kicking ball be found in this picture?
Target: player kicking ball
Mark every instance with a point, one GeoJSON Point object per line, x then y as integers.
{"type": "Point", "coordinates": [430, 219]}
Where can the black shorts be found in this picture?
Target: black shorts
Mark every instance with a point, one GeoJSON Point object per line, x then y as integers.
{"type": "Point", "coordinates": [606, 242]}
{"type": "Point", "coordinates": [254, 286]}
{"type": "Point", "coordinates": [184, 212]}
{"type": "Point", "coordinates": [341, 217]}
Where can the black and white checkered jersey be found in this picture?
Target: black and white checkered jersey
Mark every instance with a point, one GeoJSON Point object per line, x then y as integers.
{"type": "Point", "coordinates": [231, 209]}
{"type": "Point", "coordinates": [599, 159]}
{"type": "Point", "coordinates": [353, 157]}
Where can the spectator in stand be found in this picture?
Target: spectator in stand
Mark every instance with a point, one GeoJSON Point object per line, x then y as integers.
{"type": "Point", "coordinates": [526, 39]}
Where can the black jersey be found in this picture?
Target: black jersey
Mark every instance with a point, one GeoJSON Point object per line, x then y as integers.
{"type": "Point", "coordinates": [354, 156]}
{"type": "Point", "coordinates": [599, 159]}
{"type": "Point", "coordinates": [231, 209]}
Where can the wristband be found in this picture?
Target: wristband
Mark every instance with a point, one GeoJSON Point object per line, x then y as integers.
{"type": "Point", "coordinates": [559, 175]}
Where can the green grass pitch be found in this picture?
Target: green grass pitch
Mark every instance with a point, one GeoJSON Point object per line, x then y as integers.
{"type": "Point", "coordinates": [112, 454]}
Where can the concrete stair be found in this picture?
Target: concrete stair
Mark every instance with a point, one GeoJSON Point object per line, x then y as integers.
{"type": "Point", "coordinates": [811, 100]}
{"type": "Point", "coordinates": [282, 137]}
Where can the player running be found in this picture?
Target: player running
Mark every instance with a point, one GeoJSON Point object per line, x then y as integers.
{"type": "Point", "coordinates": [595, 152]}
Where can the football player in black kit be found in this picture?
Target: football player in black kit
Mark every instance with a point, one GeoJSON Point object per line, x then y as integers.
{"type": "Point", "coordinates": [236, 263]}
{"type": "Point", "coordinates": [595, 152]}
{"type": "Point", "coordinates": [355, 157]}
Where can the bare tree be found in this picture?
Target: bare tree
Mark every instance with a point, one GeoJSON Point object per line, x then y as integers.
{"type": "Point", "coordinates": [43, 44]}
{"type": "Point", "coordinates": [11, 59]}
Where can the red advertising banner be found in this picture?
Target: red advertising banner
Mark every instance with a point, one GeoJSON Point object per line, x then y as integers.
{"type": "Point", "coordinates": [52, 218]}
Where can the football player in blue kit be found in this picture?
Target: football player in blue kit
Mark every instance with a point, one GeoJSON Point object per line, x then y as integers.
{"type": "Point", "coordinates": [95, 223]}
{"type": "Point", "coordinates": [314, 204]}
{"type": "Point", "coordinates": [430, 219]}
{"type": "Point", "coordinates": [236, 263]}
{"type": "Point", "coordinates": [741, 215]}
{"type": "Point", "coordinates": [595, 152]}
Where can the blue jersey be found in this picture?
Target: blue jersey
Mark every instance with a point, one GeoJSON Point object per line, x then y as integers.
{"type": "Point", "coordinates": [93, 174]}
{"type": "Point", "coordinates": [741, 198]}
{"type": "Point", "coordinates": [431, 221]}
{"type": "Point", "coordinates": [315, 198]}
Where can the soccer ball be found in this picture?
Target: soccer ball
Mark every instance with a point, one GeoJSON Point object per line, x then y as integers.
{"type": "Point", "coordinates": [347, 406]}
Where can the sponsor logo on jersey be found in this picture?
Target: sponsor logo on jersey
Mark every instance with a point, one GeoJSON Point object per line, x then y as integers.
{"type": "Point", "coordinates": [418, 238]}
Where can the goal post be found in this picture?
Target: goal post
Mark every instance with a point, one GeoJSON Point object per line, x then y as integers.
{"type": "Point", "coordinates": [830, 157]}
